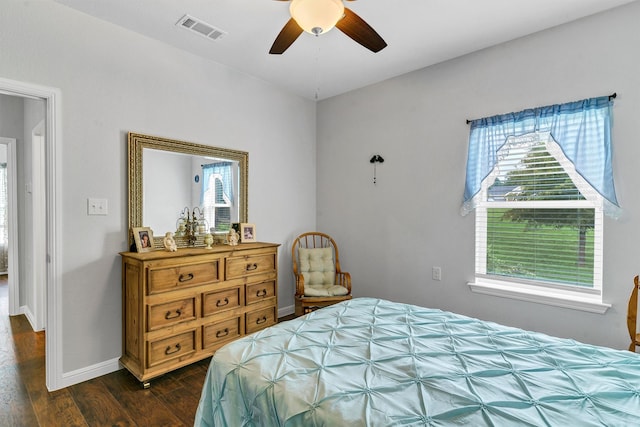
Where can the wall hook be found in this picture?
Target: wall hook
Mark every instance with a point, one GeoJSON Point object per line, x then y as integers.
{"type": "Point", "coordinates": [375, 160]}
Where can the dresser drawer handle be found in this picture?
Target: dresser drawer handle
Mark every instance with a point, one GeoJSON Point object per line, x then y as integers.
{"type": "Point", "coordinates": [186, 278]}
{"type": "Point", "coordinates": [168, 351]}
{"type": "Point", "coordinates": [251, 267]}
{"type": "Point", "coordinates": [221, 334]}
{"type": "Point", "coordinates": [221, 303]}
{"type": "Point", "coordinates": [261, 293]}
{"type": "Point", "coordinates": [261, 320]}
{"type": "Point", "coordinates": [170, 316]}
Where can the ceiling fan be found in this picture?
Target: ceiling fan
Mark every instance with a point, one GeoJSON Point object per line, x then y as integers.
{"type": "Point", "coordinates": [319, 16]}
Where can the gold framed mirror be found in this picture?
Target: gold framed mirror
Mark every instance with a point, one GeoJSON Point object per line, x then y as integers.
{"type": "Point", "coordinates": [168, 178]}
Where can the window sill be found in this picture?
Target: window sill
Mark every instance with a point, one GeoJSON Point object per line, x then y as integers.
{"type": "Point", "coordinates": [572, 300]}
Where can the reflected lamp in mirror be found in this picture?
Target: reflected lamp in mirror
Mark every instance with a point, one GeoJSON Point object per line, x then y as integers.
{"type": "Point", "coordinates": [190, 225]}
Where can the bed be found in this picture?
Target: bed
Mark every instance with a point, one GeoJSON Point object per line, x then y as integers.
{"type": "Point", "coordinates": [372, 362]}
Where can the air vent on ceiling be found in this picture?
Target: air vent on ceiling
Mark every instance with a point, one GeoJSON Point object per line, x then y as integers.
{"type": "Point", "coordinates": [201, 27]}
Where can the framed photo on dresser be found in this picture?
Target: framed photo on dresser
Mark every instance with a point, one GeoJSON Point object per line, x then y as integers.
{"type": "Point", "coordinates": [247, 233]}
{"type": "Point", "coordinates": [143, 236]}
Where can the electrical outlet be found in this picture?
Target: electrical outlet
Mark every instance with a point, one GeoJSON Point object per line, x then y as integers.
{"type": "Point", "coordinates": [97, 207]}
{"type": "Point", "coordinates": [436, 273]}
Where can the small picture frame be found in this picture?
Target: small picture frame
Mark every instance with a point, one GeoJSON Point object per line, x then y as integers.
{"type": "Point", "coordinates": [143, 236]}
{"type": "Point", "coordinates": [247, 233]}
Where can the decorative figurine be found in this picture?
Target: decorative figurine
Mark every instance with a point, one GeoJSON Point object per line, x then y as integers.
{"type": "Point", "coordinates": [232, 237]}
{"type": "Point", "coordinates": [208, 240]}
{"type": "Point", "coordinates": [169, 242]}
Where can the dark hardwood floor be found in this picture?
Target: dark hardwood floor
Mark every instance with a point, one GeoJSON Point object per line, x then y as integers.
{"type": "Point", "coordinates": [116, 399]}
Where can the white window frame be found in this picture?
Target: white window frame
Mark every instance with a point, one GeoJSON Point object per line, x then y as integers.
{"type": "Point", "coordinates": [210, 209]}
{"type": "Point", "coordinates": [567, 296]}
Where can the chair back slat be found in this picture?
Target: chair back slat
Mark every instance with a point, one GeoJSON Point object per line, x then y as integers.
{"type": "Point", "coordinates": [314, 240]}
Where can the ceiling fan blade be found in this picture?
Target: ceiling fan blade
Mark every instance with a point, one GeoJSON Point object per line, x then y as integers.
{"type": "Point", "coordinates": [287, 36]}
{"type": "Point", "coordinates": [355, 27]}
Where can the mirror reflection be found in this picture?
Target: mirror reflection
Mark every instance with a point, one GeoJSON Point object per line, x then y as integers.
{"type": "Point", "coordinates": [169, 177]}
{"type": "Point", "coordinates": [209, 184]}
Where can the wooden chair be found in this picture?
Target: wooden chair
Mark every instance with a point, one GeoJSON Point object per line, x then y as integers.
{"type": "Point", "coordinates": [316, 267]}
{"type": "Point", "coordinates": [632, 315]}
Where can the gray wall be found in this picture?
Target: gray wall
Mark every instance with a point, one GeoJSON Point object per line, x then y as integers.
{"type": "Point", "coordinates": [392, 233]}
{"type": "Point", "coordinates": [113, 81]}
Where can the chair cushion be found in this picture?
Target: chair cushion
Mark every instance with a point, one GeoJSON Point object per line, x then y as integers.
{"type": "Point", "coordinates": [325, 291]}
{"type": "Point", "coordinates": [317, 267]}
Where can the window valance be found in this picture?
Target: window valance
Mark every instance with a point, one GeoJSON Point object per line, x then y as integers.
{"type": "Point", "coordinates": [582, 129]}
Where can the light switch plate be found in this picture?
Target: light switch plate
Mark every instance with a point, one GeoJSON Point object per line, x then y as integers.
{"type": "Point", "coordinates": [97, 206]}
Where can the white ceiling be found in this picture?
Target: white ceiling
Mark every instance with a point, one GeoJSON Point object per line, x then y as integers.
{"type": "Point", "coordinates": [419, 33]}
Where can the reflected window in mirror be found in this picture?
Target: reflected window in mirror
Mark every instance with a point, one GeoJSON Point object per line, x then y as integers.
{"type": "Point", "coordinates": [211, 186]}
{"type": "Point", "coordinates": [218, 195]}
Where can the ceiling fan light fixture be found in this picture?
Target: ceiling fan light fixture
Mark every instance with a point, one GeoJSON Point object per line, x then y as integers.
{"type": "Point", "coordinates": [316, 16]}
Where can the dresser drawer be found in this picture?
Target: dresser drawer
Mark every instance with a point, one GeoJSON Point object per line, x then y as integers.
{"type": "Point", "coordinates": [217, 333]}
{"type": "Point", "coordinates": [214, 302]}
{"type": "Point", "coordinates": [260, 291]}
{"type": "Point", "coordinates": [166, 349]}
{"type": "Point", "coordinates": [182, 276]}
{"type": "Point", "coordinates": [166, 314]}
{"type": "Point", "coordinates": [260, 319]}
{"type": "Point", "coordinates": [249, 264]}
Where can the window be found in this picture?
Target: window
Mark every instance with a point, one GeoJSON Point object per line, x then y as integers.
{"type": "Point", "coordinates": [539, 218]}
{"type": "Point", "coordinates": [217, 195]}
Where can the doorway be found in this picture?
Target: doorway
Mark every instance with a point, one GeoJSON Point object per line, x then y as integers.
{"type": "Point", "coordinates": [22, 213]}
{"type": "Point", "coordinates": [9, 264]}
{"type": "Point", "coordinates": [48, 216]}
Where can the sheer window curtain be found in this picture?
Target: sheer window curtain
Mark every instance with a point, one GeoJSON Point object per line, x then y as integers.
{"type": "Point", "coordinates": [4, 229]}
{"type": "Point", "coordinates": [582, 129]}
{"type": "Point", "coordinates": [220, 168]}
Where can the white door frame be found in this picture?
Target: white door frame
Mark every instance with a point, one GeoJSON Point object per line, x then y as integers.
{"type": "Point", "coordinates": [12, 220]}
{"type": "Point", "coordinates": [53, 196]}
{"type": "Point", "coordinates": [38, 251]}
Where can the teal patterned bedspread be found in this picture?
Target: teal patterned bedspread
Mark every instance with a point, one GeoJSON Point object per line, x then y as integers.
{"type": "Point", "coordinates": [371, 362]}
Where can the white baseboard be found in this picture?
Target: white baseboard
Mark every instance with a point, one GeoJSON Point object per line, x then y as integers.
{"type": "Point", "coordinates": [24, 309]}
{"type": "Point", "coordinates": [90, 372]}
{"type": "Point", "coordinates": [285, 311]}
{"type": "Point", "coordinates": [109, 366]}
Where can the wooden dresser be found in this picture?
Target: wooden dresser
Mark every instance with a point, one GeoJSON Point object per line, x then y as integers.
{"type": "Point", "coordinates": [179, 307]}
